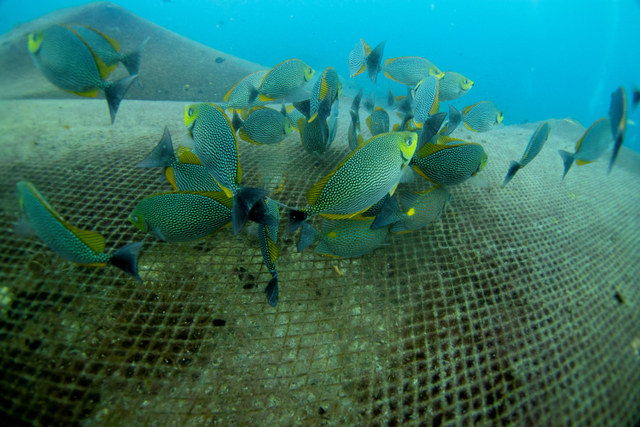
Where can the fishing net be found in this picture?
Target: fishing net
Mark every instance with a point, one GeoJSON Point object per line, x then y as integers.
{"type": "Point", "coordinates": [518, 307]}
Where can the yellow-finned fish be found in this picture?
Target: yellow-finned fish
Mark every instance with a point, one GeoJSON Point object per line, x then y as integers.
{"type": "Point", "coordinates": [425, 99]}
{"type": "Point", "coordinates": [67, 61]}
{"type": "Point", "coordinates": [409, 70]}
{"type": "Point", "coordinates": [345, 238]}
{"type": "Point", "coordinates": [81, 247]}
{"type": "Point", "coordinates": [328, 83]}
{"type": "Point", "coordinates": [536, 143]}
{"type": "Point", "coordinates": [481, 116]}
{"type": "Point", "coordinates": [362, 58]}
{"type": "Point", "coordinates": [450, 162]}
{"type": "Point", "coordinates": [595, 142]}
{"type": "Point", "coordinates": [282, 80]}
{"type": "Point", "coordinates": [453, 85]}
{"type": "Point", "coordinates": [238, 95]}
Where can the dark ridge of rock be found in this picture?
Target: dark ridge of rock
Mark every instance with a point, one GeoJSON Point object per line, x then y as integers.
{"type": "Point", "coordinates": [173, 67]}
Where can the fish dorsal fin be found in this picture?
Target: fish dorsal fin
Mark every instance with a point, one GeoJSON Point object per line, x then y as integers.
{"type": "Point", "coordinates": [103, 70]}
{"type": "Point", "coordinates": [219, 196]}
{"type": "Point", "coordinates": [435, 107]}
{"type": "Point", "coordinates": [271, 246]}
{"type": "Point", "coordinates": [245, 136]}
{"type": "Point", "coordinates": [389, 61]}
{"type": "Point", "coordinates": [378, 109]}
{"type": "Point", "coordinates": [114, 43]}
{"type": "Point", "coordinates": [369, 124]}
{"type": "Point", "coordinates": [468, 108]}
{"type": "Point", "coordinates": [189, 158]}
{"type": "Point", "coordinates": [169, 173]}
{"type": "Point", "coordinates": [94, 241]}
{"type": "Point", "coordinates": [583, 162]}
{"type": "Point", "coordinates": [581, 140]}
{"type": "Point", "coordinates": [445, 140]}
{"type": "Point", "coordinates": [44, 202]}
{"type": "Point", "coordinates": [258, 107]}
{"type": "Point", "coordinates": [324, 86]}
{"type": "Point", "coordinates": [367, 49]}
{"type": "Point", "coordinates": [396, 127]}
{"type": "Point", "coordinates": [430, 148]}
{"type": "Point", "coordinates": [315, 191]}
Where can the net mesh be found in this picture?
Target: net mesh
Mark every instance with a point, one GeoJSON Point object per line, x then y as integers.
{"type": "Point", "coordinates": [518, 307]}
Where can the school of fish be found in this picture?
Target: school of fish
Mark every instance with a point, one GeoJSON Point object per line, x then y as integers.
{"type": "Point", "coordinates": [358, 199]}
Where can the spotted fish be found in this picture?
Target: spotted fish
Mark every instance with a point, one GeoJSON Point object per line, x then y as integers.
{"type": "Point", "coordinates": [354, 137]}
{"type": "Point", "coordinates": [595, 142]}
{"type": "Point", "coordinates": [362, 58]}
{"type": "Point", "coordinates": [238, 95]}
{"type": "Point", "coordinates": [268, 238]}
{"type": "Point", "coordinates": [409, 70]}
{"type": "Point", "coordinates": [378, 121]}
{"type": "Point", "coordinates": [425, 99]}
{"type": "Point", "coordinates": [360, 180]}
{"type": "Point", "coordinates": [263, 126]}
{"type": "Point", "coordinates": [451, 162]}
{"type": "Point", "coordinates": [328, 82]}
{"type": "Point", "coordinates": [109, 50]}
{"type": "Point", "coordinates": [345, 238]}
{"type": "Point", "coordinates": [482, 116]}
{"type": "Point", "coordinates": [282, 80]}
{"type": "Point", "coordinates": [536, 143]}
{"type": "Point", "coordinates": [186, 174]}
{"type": "Point", "coordinates": [68, 62]}
{"type": "Point", "coordinates": [217, 148]}
{"type": "Point", "coordinates": [420, 208]}
{"type": "Point", "coordinates": [453, 85]}
{"type": "Point", "coordinates": [81, 247]}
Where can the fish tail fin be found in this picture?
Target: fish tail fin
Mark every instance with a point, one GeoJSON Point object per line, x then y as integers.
{"type": "Point", "coordinates": [513, 168]}
{"type": "Point", "coordinates": [616, 149]}
{"type": "Point", "coordinates": [162, 155]}
{"type": "Point", "coordinates": [296, 219]}
{"type": "Point", "coordinates": [259, 213]}
{"type": "Point", "coordinates": [307, 237]}
{"type": "Point", "coordinates": [253, 95]}
{"type": "Point", "coordinates": [568, 159]}
{"type": "Point", "coordinates": [131, 60]}
{"type": "Point", "coordinates": [126, 259]}
{"type": "Point", "coordinates": [374, 60]}
{"type": "Point", "coordinates": [243, 200]}
{"type": "Point", "coordinates": [389, 214]}
{"type": "Point", "coordinates": [115, 92]}
{"type": "Point", "coordinates": [236, 122]}
{"type": "Point", "coordinates": [272, 290]}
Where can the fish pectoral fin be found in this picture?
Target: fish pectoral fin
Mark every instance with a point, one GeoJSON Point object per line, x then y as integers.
{"type": "Point", "coordinates": [169, 173]}
{"type": "Point", "coordinates": [157, 233]}
{"type": "Point", "coordinates": [265, 98]}
{"type": "Point", "coordinates": [188, 157]}
{"type": "Point", "coordinates": [89, 93]}
{"type": "Point", "coordinates": [245, 137]}
{"type": "Point", "coordinates": [393, 190]}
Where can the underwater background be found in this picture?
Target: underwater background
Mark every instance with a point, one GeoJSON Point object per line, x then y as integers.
{"type": "Point", "coordinates": [515, 305]}
{"type": "Point", "coordinates": [536, 59]}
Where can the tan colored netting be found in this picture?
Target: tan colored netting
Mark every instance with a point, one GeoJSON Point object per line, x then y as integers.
{"type": "Point", "coordinates": [519, 307]}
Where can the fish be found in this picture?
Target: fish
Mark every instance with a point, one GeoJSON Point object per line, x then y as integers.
{"type": "Point", "coordinates": [455, 118]}
{"type": "Point", "coordinates": [186, 174]}
{"type": "Point", "coordinates": [425, 99]}
{"type": "Point", "coordinates": [263, 126]}
{"type": "Point", "coordinates": [238, 95]}
{"type": "Point", "coordinates": [404, 124]}
{"type": "Point", "coordinates": [450, 162]}
{"type": "Point", "coordinates": [353, 136]}
{"type": "Point", "coordinates": [329, 82]}
{"type": "Point", "coordinates": [68, 62]}
{"type": "Point", "coordinates": [370, 102]}
{"type": "Point", "coordinates": [217, 148]}
{"type": "Point", "coordinates": [360, 180]}
{"type": "Point", "coordinates": [429, 129]}
{"type": "Point", "coordinates": [185, 216]}
{"type": "Point", "coordinates": [409, 70]}
{"type": "Point", "coordinates": [536, 143]}
{"type": "Point", "coordinates": [347, 238]}
{"type": "Point", "coordinates": [220, 60]}
{"type": "Point", "coordinates": [362, 58]}
{"type": "Point", "coordinates": [378, 121]}
{"type": "Point", "coordinates": [355, 104]}
{"type": "Point", "coordinates": [636, 98]}
{"type": "Point", "coordinates": [391, 100]}
{"type": "Point", "coordinates": [268, 238]}
{"type": "Point", "coordinates": [595, 142]}
{"type": "Point", "coordinates": [82, 247]}
{"type": "Point", "coordinates": [453, 85]}
{"type": "Point", "coordinates": [618, 119]}
{"type": "Point", "coordinates": [109, 50]}
{"type": "Point", "coordinates": [404, 107]}
{"type": "Point", "coordinates": [481, 116]}
{"type": "Point", "coordinates": [314, 135]}
{"type": "Point", "coordinates": [375, 209]}
{"type": "Point", "coordinates": [282, 80]}
{"type": "Point", "coordinates": [421, 208]}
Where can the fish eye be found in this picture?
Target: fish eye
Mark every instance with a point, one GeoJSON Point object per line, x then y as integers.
{"type": "Point", "coordinates": [190, 112]}
{"type": "Point", "coordinates": [134, 218]}
{"type": "Point", "coordinates": [409, 141]}
{"type": "Point", "coordinates": [466, 81]}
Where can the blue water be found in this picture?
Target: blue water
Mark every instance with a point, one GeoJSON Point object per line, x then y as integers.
{"type": "Point", "coordinates": [536, 59]}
